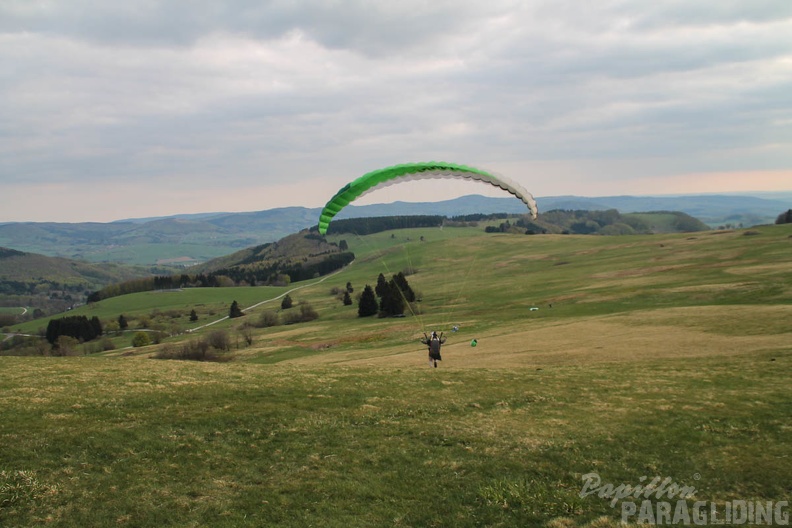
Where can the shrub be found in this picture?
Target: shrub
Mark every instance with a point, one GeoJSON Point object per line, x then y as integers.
{"type": "Point", "coordinates": [307, 313]}
{"type": "Point", "coordinates": [196, 350]}
{"type": "Point", "coordinates": [141, 339]}
{"type": "Point", "coordinates": [19, 345]}
{"type": "Point", "coordinates": [219, 339]}
{"type": "Point", "coordinates": [267, 319]}
{"type": "Point", "coordinates": [66, 346]}
{"type": "Point", "coordinates": [191, 350]}
{"type": "Point", "coordinates": [157, 336]}
{"type": "Point", "coordinates": [97, 347]}
{"type": "Point", "coordinates": [246, 333]}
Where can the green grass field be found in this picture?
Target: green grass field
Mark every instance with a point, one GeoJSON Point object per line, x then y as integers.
{"type": "Point", "coordinates": [12, 310]}
{"type": "Point", "coordinates": [147, 254]}
{"type": "Point", "coordinates": [664, 355]}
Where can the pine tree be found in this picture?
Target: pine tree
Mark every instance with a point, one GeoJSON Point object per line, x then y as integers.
{"type": "Point", "coordinates": [401, 282]}
{"type": "Point", "coordinates": [368, 303]}
{"type": "Point", "coordinates": [392, 301]}
{"type": "Point", "coordinates": [287, 302]}
{"type": "Point", "coordinates": [193, 315]}
{"type": "Point", "coordinates": [53, 330]}
{"type": "Point", "coordinates": [122, 322]}
{"type": "Point", "coordinates": [235, 311]}
{"type": "Point", "coordinates": [347, 299]}
{"type": "Point", "coordinates": [96, 328]}
{"type": "Point", "coordinates": [382, 284]}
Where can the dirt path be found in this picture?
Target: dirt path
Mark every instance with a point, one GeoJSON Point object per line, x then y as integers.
{"type": "Point", "coordinates": [273, 299]}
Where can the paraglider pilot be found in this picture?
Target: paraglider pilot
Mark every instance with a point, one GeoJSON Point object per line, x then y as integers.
{"type": "Point", "coordinates": [433, 344]}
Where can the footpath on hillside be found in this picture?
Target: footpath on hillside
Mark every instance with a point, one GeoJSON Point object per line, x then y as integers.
{"type": "Point", "coordinates": [321, 280]}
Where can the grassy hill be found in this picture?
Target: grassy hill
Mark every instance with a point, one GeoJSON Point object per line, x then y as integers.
{"type": "Point", "coordinates": [654, 355]}
{"type": "Point", "coordinates": [184, 240]}
{"type": "Point", "coordinates": [296, 247]}
{"type": "Point", "coordinates": [181, 240]}
{"type": "Point", "coordinates": [21, 266]}
{"type": "Point", "coordinates": [713, 210]}
{"type": "Point", "coordinates": [31, 282]}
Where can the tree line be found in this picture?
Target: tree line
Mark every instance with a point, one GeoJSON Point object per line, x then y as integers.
{"type": "Point", "coordinates": [295, 271]}
{"type": "Point", "coordinates": [158, 282]}
{"type": "Point", "coordinates": [277, 273]}
{"type": "Point", "coordinates": [369, 226]}
{"type": "Point", "coordinates": [585, 222]}
{"type": "Point", "coordinates": [77, 326]}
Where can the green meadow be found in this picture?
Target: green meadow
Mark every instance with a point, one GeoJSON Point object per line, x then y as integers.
{"type": "Point", "coordinates": [628, 357]}
{"type": "Point", "coordinates": [11, 310]}
{"type": "Point", "coordinates": [146, 254]}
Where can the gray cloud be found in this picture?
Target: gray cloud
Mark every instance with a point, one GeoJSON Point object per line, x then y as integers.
{"type": "Point", "coordinates": [236, 94]}
{"type": "Point", "coordinates": [365, 26]}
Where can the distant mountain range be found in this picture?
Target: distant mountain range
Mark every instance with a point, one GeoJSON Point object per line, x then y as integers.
{"type": "Point", "coordinates": [714, 210]}
{"type": "Point", "coordinates": [191, 238]}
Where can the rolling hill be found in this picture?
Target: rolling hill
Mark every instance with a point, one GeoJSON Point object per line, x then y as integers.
{"type": "Point", "coordinates": [52, 284]}
{"type": "Point", "coordinates": [20, 266]}
{"type": "Point", "coordinates": [629, 357]}
{"type": "Point", "coordinates": [184, 240]}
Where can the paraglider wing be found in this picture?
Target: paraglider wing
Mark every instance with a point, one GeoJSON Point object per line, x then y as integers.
{"type": "Point", "coordinates": [378, 179]}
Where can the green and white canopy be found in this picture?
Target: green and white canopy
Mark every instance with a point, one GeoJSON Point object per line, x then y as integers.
{"type": "Point", "coordinates": [378, 179]}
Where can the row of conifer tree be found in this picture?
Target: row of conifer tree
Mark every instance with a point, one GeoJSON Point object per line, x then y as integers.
{"type": "Point", "coordinates": [388, 298]}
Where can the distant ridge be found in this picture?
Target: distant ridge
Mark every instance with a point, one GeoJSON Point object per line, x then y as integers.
{"type": "Point", "coordinates": [200, 237]}
{"type": "Point", "coordinates": [713, 210]}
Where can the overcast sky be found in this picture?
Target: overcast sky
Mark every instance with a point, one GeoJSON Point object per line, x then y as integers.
{"type": "Point", "coordinates": [113, 110]}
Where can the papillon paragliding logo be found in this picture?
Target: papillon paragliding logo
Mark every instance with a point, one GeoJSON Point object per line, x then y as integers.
{"type": "Point", "coordinates": [662, 502]}
{"type": "Point", "coordinates": [417, 171]}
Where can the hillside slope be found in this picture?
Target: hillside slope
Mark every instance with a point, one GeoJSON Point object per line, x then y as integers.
{"type": "Point", "coordinates": [663, 355]}
{"type": "Point", "coordinates": [195, 238]}
{"type": "Point", "coordinates": [31, 267]}
{"type": "Point", "coordinates": [504, 284]}
{"type": "Point", "coordinates": [52, 284]}
{"type": "Point", "coordinates": [293, 258]}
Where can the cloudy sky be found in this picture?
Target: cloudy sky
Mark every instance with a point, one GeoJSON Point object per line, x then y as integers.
{"type": "Point", "coordinates": [113, 110]}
